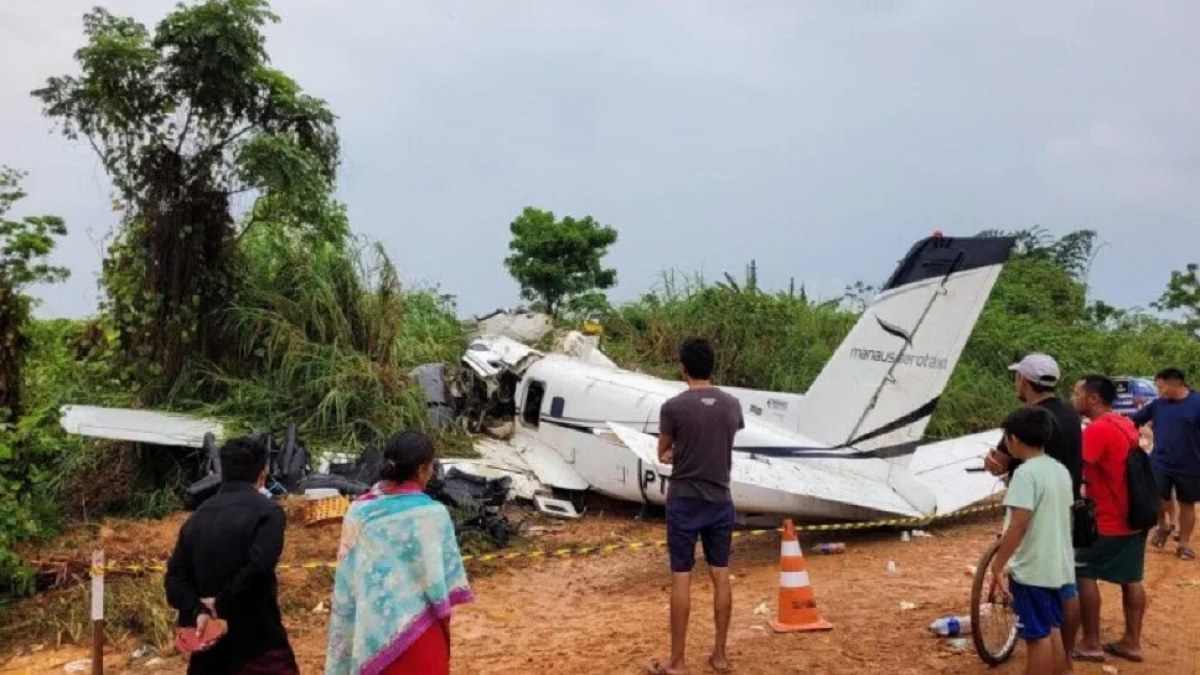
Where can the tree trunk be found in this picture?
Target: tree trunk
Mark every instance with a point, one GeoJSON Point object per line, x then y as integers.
{"type": "Point", "coordinates": [11, 317]}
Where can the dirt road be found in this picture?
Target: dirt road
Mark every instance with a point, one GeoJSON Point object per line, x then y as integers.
{"type": "Point", "coordinates": [609, 614]}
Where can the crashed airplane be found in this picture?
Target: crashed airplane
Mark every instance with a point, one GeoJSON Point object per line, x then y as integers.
{"type": "Point", "coordinates": [847, 449]}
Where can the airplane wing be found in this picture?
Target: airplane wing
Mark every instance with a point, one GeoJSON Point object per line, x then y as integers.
{"type": "Point", "coordinates": [532, 456]}
{"type": "Point", "coordinates": [645, 447]}
{"type": "Point", "coordinates": [790, 483]}
{"type": "Point", "coordinates": [953, 470]}
{"type": "Point", "coordinates": [138, 426]}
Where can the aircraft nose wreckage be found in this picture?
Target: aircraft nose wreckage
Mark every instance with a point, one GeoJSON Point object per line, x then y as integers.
{"type": "Point", "coordinates": [848, 449]}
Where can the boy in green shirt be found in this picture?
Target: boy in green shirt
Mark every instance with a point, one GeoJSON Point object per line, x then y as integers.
{"type": "Point", "coordinates": [1036, 554]}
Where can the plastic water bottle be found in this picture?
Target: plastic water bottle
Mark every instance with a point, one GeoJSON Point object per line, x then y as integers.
{"type": "Point", "coordinates": [950, 626]}
{"type": "Point", "coordinates": [829, 548]}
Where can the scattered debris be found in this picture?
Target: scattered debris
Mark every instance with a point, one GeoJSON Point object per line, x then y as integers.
{"type": "Point", "coordinates": [520, 326]}
{"type": "Point", "coordinates": [906, 606]}
{"type": "Point", "coordinates": [476, 504]}
{"type": "Point", "coordinates": [959, 644]}
{"type": "Point", "coordinates": [950, 626]}
{"type": "Point", "coordinates": [557, 508]}
{"type": "Point", "coordinates": [1111, 670]}
{"type": "Point", "coordinates": [829, 548]}
{"type": "Point", "coordinates": [971, 570]}
{"type": "Point", "coordinates": [922, 534]}
{"type": "Point", "coordinates": [138, 426]}
{"type": "Point", "coordinates": [904, 536]}
{"type": "Point", "coordinates": [432, 378]}
{"type": "Point", "coordinates": [891, 567]}
{"type": "Point", "coordinates": [78, 666]}
{"type": "Point", "coordinates": [320, 608]}
{"type": "Point", "coordinates": [144, 652]}
{"type": "Point", "coordinates": [762, 609]}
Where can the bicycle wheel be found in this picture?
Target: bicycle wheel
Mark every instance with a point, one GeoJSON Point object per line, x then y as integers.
{"type": "Point", "coordinates": [993, 626]}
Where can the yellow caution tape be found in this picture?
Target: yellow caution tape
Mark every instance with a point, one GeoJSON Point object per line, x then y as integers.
{"type": "Point", "coordinates": [160, 568]}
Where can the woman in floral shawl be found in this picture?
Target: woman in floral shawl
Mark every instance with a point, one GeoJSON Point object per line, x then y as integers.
{"type": "Point", "coordinates": [399, 573]}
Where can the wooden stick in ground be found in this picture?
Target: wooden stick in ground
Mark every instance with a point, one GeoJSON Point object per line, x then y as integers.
{"type": "Point", "coordinates": [98, 613]}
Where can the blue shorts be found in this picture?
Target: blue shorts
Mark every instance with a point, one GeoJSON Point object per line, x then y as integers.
{"type": "Point", "coordinates": [1039, 610]}
{"type": "Point", "coordinates": [1069, 592]}
{"type": "Point", "coordinates": [689, 518]}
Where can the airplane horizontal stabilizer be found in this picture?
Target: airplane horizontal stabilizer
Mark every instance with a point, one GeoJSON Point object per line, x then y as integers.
{"type": "Point", "coordinates": [953, 470]}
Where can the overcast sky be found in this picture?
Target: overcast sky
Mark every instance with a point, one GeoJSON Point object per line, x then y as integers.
{"type": "Point", "coordinates": [818, 138]}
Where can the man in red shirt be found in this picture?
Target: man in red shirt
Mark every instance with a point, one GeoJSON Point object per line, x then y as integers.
{"type": "Point", "coordinates": [1119, 555]}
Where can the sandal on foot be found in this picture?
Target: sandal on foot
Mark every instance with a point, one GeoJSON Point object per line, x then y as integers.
{"type": "Point", "coordinates": [1078, 655]}
{"type": "Point", "coordinates": [1185, 553]}
{"type": "Point", "coordinates": [1160, 537]}
{"type": "Point", "coordinates": [712, 664]}
{"type": "Point", "coordinates": [1116, 650]}
{"type": "Point", "coordinates": [657, 668]}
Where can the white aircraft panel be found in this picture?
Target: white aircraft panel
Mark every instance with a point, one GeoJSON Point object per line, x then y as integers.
{"type": "Point", "coordinates": [527, 454]}
{"type": "Point", "coordinates": [950, 469]}
{"type": "Point", "coordinates": [138, 426]}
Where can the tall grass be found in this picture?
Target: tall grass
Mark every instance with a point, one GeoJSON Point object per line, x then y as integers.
{"type": "Point", "coordinates": [324, 336]}
{"type": "Point", "coordinates": [773, 341]}
{"type": "Point", "coordinates": [780, 341]}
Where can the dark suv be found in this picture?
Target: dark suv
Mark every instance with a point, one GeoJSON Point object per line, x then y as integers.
{"type": "Point", "coordinates": [1133, 393]}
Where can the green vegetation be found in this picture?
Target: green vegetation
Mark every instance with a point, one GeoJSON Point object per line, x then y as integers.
{"type": "Point", "coordinates": [278, 315]}
{"type": "Point", "coordinates": [559, 262]}
{"type": "Point", "coordinates": [264, 318]}
{"type": "Point", "coordinates": [1183, 295]}
{"type": "Point", "coordinates": [24, 246]}
{"type": "Point", "coordinates": [183, 119]}
{"type": "Point", "coordinates": [780, 341]}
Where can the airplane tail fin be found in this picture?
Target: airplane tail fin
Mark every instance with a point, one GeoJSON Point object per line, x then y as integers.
{"type": "Point", "coordinates": [878, 391]}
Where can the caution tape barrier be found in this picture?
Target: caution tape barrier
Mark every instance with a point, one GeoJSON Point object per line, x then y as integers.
{"type": "Point", "coordinates": [159, 568]}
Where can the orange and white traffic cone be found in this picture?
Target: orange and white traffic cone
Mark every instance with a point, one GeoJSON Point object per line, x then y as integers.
{"type": "Point", "coordinates": [797, 608]}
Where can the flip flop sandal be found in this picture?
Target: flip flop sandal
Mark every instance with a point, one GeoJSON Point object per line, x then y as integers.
{"type": "Point", "coordinates": [1090, 658]}
{"type": "Point", "coordinates": [1115, 649]}
{"type": "Point", "coordinates": [657, 668]}
{"type": "Point", "coordinates": [1185, 553]}
{"type": "Point", "coordinates": [1160, 537]}
{"type": "Point", "coordinates": [713, 665]}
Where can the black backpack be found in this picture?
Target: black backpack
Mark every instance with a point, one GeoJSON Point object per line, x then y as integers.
{"type": "Point", "coordinates": [1144, 499]}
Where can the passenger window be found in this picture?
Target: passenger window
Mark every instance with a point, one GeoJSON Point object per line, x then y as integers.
{"type": "Point", "coordinates": [531, 412]}
{"type": "Point", "coordinates": [556, 406]}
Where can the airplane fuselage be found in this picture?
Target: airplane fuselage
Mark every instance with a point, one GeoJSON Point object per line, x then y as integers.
{"type": "Point", "coordinates": [563, 403]}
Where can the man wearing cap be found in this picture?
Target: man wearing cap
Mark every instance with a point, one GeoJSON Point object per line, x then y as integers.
{"type": "Point", "coordinates": [1035, 377]}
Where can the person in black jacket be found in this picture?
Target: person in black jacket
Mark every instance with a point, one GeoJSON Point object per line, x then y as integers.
{"type": "Point", "coordinates": [224, 564]}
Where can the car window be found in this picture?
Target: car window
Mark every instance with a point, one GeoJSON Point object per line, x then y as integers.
{"type": "Point", "coordinates": [1122, 387]}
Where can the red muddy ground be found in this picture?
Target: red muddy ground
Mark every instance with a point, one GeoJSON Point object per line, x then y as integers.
{"type": "Point", "coordinates": [609, 615]}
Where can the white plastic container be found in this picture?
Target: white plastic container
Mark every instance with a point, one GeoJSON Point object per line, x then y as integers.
{"type": "Point", "coordinates": [951, 626]}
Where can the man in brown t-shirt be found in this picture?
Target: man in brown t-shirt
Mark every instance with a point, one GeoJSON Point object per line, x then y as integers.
{"type": "Point", "coordinates": [696, 430]}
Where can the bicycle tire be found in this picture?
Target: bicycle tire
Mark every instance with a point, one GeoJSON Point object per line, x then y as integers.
{"type": "Point", "coordinates": [986, 653]}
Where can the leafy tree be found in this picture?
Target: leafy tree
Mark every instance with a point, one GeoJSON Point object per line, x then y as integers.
{"type": "Point", "coordinates": [859, 295]}
{"type": "Point", "coordinates": [1072, 253]}
{"type": "Point", "coordinates": [1183, 295]}
{"type": "Point", "coordinates": [554, 261]}
{"type": "Point", "coordinates": [24, 246]}
{"type": "Point", "coordinates": [183, 119]}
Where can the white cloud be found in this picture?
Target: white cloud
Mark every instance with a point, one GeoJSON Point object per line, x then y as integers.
{"type": "Point", "coordinates": [1124, 158]}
